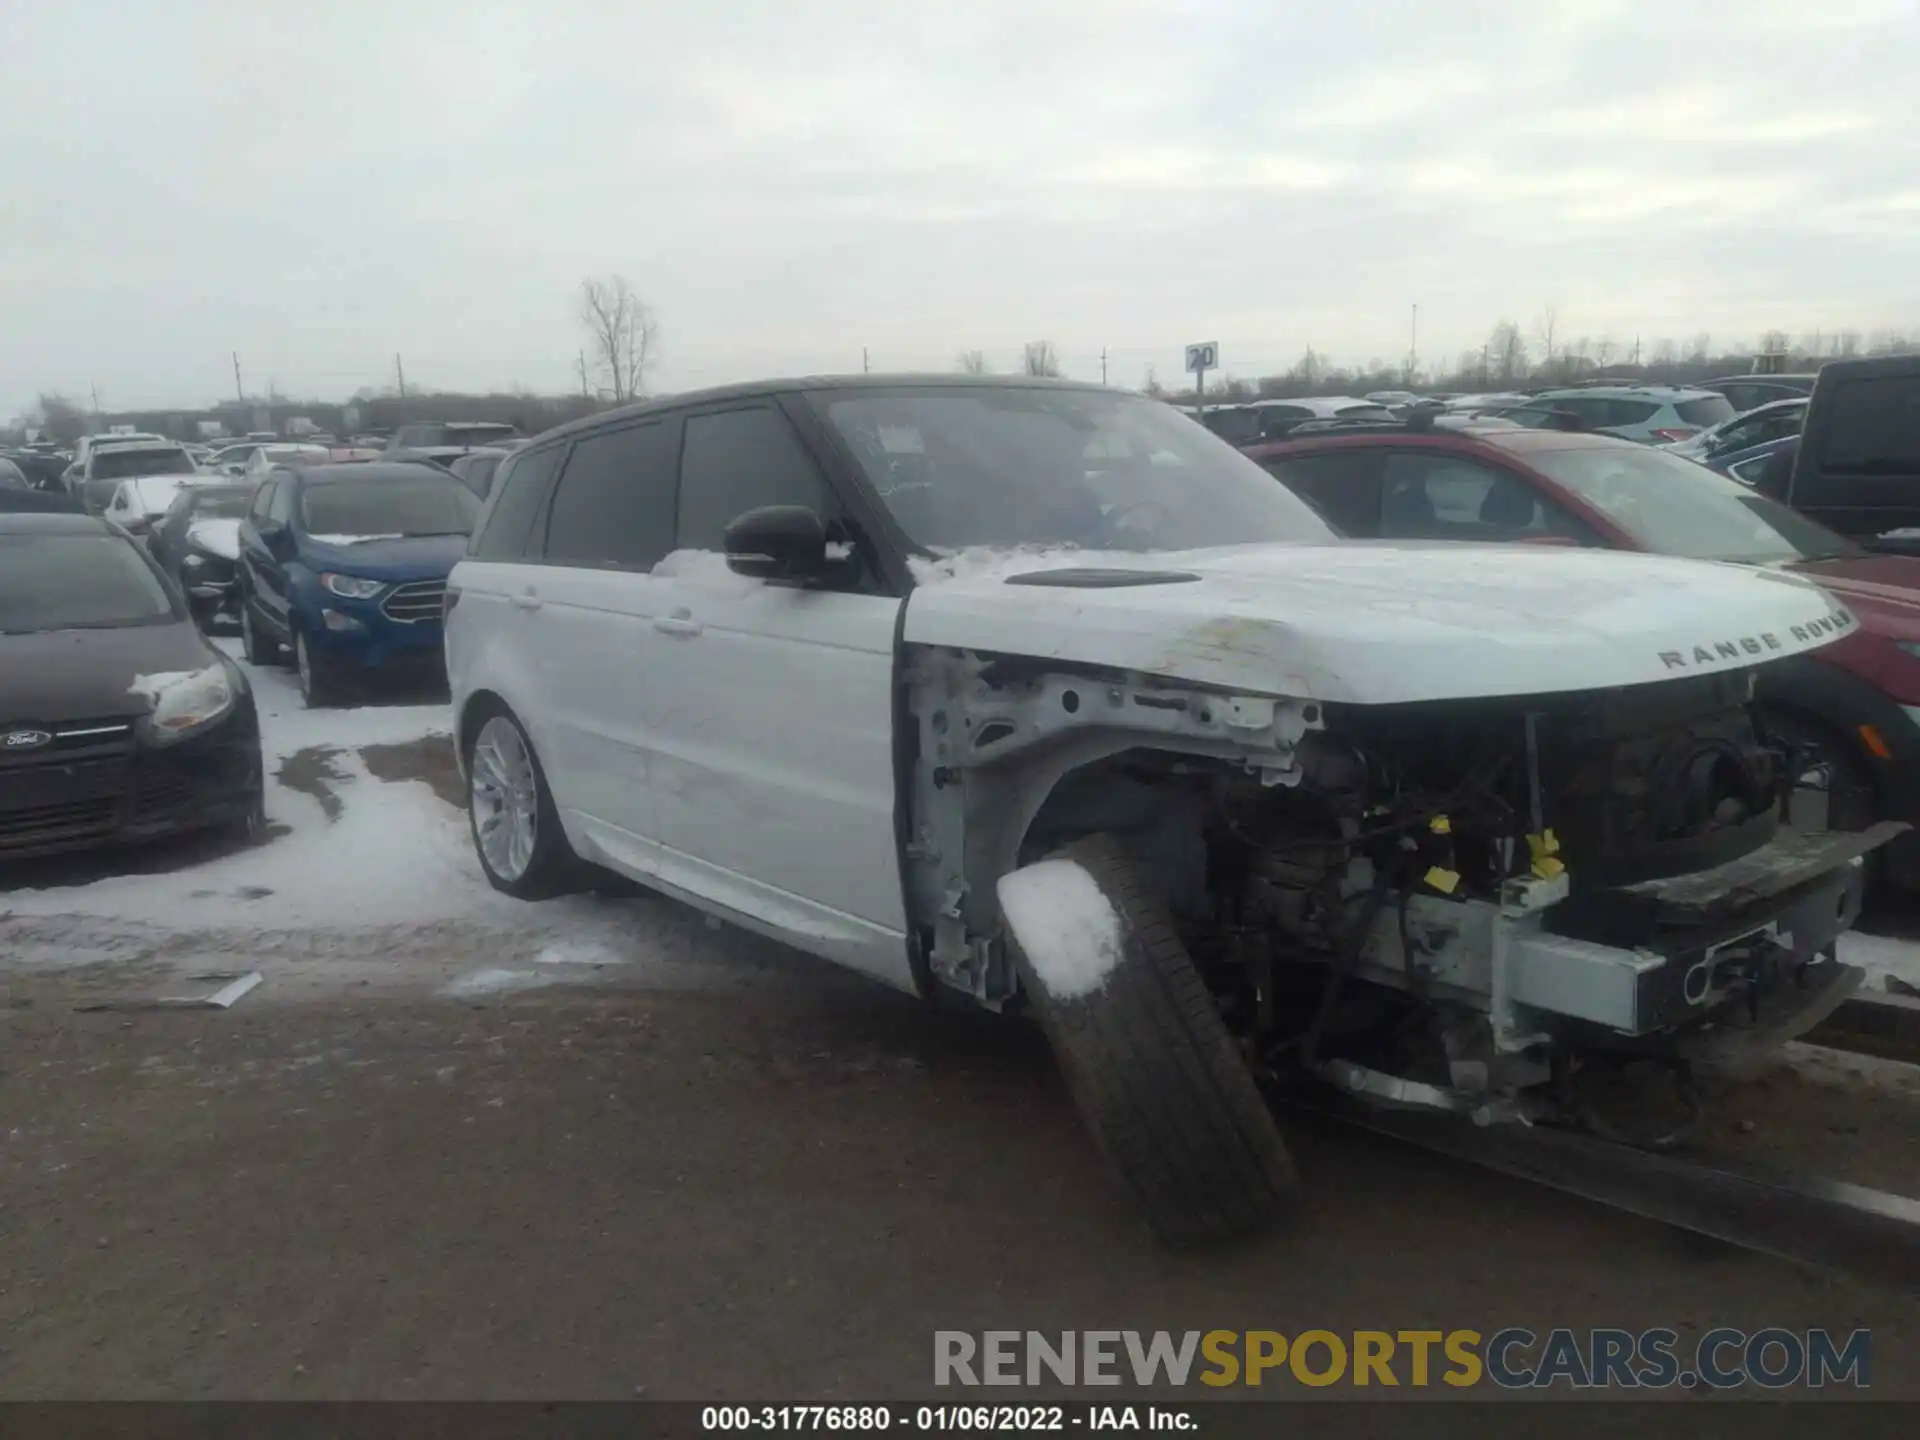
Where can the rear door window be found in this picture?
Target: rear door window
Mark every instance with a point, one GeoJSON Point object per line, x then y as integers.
{"type": "Point", "coordinates": [1343, 485]}
{"type": "Point", "coordinates": [1433, 495]}
{"type": "Point", "coordinates": [280, 507]}
{"type": "Point", "coordinates": [613, 505]}
{"type": "Point", "coordinates": [1707, 410]}
{"type": "Point", "coordinates": [1630, 412]}
{"type": "Point", "coordinates": [506, 529]}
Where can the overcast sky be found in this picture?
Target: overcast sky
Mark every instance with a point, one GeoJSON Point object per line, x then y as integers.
{"type": "Point", "coordinates": [322, 185]}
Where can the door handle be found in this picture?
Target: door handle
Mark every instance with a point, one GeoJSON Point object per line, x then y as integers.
{"type": "Point", "coordinates": [528, 601]}
{"type": "Point", "coordinates": [680, 622]}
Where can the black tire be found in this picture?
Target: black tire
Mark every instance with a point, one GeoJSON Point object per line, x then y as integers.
{"type": "Point", "coordinates": [259, 648]}
{"type": "Point", "coordinates": [1158, 1078]}
{"type": "Point", "coordinates": [554, 869]}
{"type": "Point", "coordinates": [320, 684]}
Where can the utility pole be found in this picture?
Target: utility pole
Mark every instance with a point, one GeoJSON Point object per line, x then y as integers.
{"type": "Point", "coordinates": [1103, 364]}
{"type": "Point", "coordinates": [400, 376]}
{"type": "Point", "coordinates": [865, 369]}
{"type": "Point", "coordinates": [1413, 346]}
{"type": "Point", "coordinates": [239, 394]}
{"type": "Point", "coordinates": [96, 401]}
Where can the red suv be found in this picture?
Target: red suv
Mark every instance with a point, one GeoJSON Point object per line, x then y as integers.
{"type": "Point", "coordinates": [1854, 705]}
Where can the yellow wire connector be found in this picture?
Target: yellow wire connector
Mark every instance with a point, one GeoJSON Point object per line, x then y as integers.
{"type": "Point", "coordinates": [1545, 849]}
{"type": "Point", "coordinates": [1440, 825]}
{"type": "Point", "coordinates": [1445, 881]}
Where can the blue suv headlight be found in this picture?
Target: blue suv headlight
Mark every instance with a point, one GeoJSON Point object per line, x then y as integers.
{"type": "Point", "coordinates": [352, 587]}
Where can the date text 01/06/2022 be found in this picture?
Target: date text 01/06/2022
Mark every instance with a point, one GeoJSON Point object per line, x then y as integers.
{"type": "Point", "coordinates": [946, 1419]}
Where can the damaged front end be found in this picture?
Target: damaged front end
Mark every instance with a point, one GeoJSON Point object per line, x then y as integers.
{"type": "Point", "coordinates": [1495, 907]}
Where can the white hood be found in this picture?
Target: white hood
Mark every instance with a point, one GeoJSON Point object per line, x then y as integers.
{"type": "Point", "coordinates": [216, 536]}
{"type": "Point", "coordinates": [1379, 624]}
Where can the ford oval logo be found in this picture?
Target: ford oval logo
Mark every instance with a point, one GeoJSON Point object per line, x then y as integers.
{"type": "Point", "coordinates": [24, 739]}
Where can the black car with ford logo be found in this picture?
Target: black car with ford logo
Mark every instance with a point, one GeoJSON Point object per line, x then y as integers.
{"type": "Point", "coordinates": [119, 723]}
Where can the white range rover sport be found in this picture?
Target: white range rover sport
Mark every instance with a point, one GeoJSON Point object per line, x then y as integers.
{"type": "Point", "coordinates": [1040, 694]}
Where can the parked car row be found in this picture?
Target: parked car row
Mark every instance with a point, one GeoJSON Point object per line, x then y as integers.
{"type": "Point", "coordinates": [1853, 706]}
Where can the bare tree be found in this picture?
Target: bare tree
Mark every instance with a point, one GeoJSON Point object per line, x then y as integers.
{"type": "Point", "coordinates": [1664, 352]}
{"type": "Point", "coordinates": [1849, 344]}
{"type": "Point", "coordinates": [1701, 350]}
{"type": "Point", "coordinates": [1039, 358]}
{"type": "Point", "coordinates": [1152, 387]}
{"type": "Point", "coordinates": [621, 332]}
{"type": "Point", "coordinates": [1604, 352]}
{"type": "Point", "coordinates": [973, 362]}
{"type": "Point", "coordinates": [1545, 326]}
{"type": "Point", "coordinates": [61, 418]}
{"type": "Point", "coordinates": [1507, 350]}
{"type": "Point", "coordinates": [1309, 370]}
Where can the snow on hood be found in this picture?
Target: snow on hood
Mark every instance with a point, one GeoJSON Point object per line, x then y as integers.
{"type": "Point", "coordinates": [151, 687]}
{"type": "Point", "coordinates": [351, 539]}
{"type": "Point", "coordinates": [1369, 623]}
{"type": "Point", "coordinates": [216, 537]}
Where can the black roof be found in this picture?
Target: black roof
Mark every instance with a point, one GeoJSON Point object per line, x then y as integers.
{"type": "Point", "coordinates": [757, 389]}
{"type": "Point", "coordinates": [362, 470]}
{"type": "Point", "coordinates": [54, 523]}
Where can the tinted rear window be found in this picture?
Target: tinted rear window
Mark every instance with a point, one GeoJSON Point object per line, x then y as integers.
{"type": "Point", "coordinates": [1707, 410]}
{"type": "Point", "coordinates": [1873, 427]}
{"type": "Point", "coordinates": [119, 464]}
{"type": "Point", "coordinates": [614, 503]}
{"type": "Point", "coordinates": [521, 490]}
{"type": "Point", "coordinates": [389, 507]}
{"type": "Point", "coordinates": [69, 582]}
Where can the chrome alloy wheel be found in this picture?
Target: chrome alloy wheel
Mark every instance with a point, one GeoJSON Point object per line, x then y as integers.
{"type": "Point", "coordinates": [505, 797]}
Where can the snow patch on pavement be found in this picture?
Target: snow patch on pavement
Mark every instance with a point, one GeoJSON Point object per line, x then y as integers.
{"type": "Point", "coordinates": [496, 982]}
{"type": "Point", "coordinates": [576, 950]}
{"type": "Point", "coordinates": [1066, 926]}
{"type": "Point", "coordinates": [1880, 957]}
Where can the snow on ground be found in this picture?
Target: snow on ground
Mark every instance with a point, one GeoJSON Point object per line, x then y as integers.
{"type": "Point", "coordinates": [1882, 956]}
{"type": "Point", "coordinates": [385, 892]}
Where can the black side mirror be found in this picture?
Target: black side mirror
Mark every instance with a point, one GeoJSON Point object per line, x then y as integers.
{"type": "Point", "coordinates": [273, 535]}
{"type": "Point", "coordinates": [778, 542]}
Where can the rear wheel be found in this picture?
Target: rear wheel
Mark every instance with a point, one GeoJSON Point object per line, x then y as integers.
{"type": "Point", "coordinates": [1152, 1067]}
{"type": "Point", "coordinates": [516, 826]}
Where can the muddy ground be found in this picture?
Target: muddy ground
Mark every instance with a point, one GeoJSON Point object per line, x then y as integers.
{"type": "Point", "coordinates": [772, 1192]}
{"type": "Point", "coordinates": [639, 1154]}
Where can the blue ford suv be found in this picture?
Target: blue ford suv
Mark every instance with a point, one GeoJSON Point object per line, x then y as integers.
{"type": "Point", "coordinates": [344, 568]}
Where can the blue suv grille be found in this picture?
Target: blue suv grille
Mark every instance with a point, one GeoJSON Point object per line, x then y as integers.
{"type": "Point", "coordinates": [410, 604]}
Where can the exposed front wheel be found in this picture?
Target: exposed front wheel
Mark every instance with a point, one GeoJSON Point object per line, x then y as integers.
{"type": "Point", "coordinates": [319, 674]}
{"type": "Point", "coordinates": [1152, 1067]}
{"type": "Point", "coordinates": [516, 827]}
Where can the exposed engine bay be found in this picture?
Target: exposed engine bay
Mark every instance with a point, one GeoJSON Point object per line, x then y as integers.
{"type": "Point", "coordinates": [1487, 906]}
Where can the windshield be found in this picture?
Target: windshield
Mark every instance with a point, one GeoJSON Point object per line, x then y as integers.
{"type": "Point", "coordinates": [1676, 507]}
{"type": "Point", "coordinates": [99, 493]}
{"type": "Point", "coordinates": [69, 582]}
{"type": "Point", "coordinates": [1006, 466]}
{"type": "Point", "coordinates": [119, 464]}
{"type": "Point", "coordinates": [422, 506]}
{"type": "Point", "coordinates": [219, 502]}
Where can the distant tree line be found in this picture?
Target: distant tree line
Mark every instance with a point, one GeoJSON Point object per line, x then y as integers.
{"type": "Point", "coordinates": [1542, 354]}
